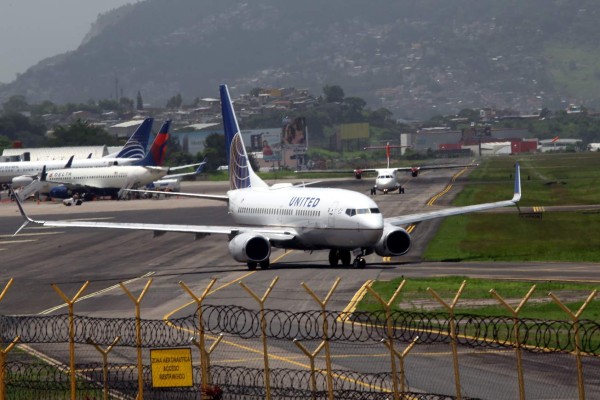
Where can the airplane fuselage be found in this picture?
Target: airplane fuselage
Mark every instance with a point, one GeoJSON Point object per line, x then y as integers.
{"type": "Point", "coordinates": [11, 170]}
{"type": "Point", "coordinates": [323, 218]}
{"type": "Point", "coordinates": [386, 180]}
{"type": "Point", "coordinates": [116, 177]}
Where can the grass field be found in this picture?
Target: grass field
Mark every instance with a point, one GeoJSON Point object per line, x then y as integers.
{"type": "Point", "coordinates": [547, 180]}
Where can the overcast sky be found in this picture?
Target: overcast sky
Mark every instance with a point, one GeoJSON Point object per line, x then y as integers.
{"type": "Point", "coordinates": [32, 30]}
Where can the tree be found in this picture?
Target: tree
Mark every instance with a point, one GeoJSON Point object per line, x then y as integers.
{"type": "Point", "coordinates": [81, 133]}
{"type": "Point", "coordinates": [333, 94]}
{"type": "Point", "coordinates": [214, 151]}
{"type": "Point", "coordinates": [139, 104]}
{"type": "Point", "coordinates": [5, 143]}
{"type": "Point", "coordinates": [175, 102]}
{"type": "Point", "coordinates": [126, 103]}
{"type": "Point", "coordinates": [15, 104]}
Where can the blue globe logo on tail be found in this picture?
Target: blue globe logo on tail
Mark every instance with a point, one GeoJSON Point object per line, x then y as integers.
{"type": "Point", "coordinates": [137, 143]}
{"type": "Point", "coordinates": [239, 168]}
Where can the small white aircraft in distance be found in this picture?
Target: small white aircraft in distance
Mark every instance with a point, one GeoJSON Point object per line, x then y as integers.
{"type": "Point", "coordinates": [344, 222]}
{"type": "Point", "coordinates": [386, 180]}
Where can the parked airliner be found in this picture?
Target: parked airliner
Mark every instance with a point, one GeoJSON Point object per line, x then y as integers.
{"type": "Point", "coordinates": [107, 181]}
{"type": "Point", "coordinates": [22, 173]}
{"type": "Point", "coordinates": [292, 217]}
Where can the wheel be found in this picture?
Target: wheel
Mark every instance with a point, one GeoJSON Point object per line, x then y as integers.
{"type": "Point", "coordinates": [264, 264]}
{"type": "Point", "coordinates": [362, 263]}
{"type": "Point", "coordinates": [252, 265]}
{"type": "Point", "coordinates": [334, 257]}
{"type": "Point", "coordinates": [356, 263]}
{"type": "Point", "coordinates": [345, 257]}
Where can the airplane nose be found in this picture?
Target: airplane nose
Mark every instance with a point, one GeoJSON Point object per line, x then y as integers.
{"type": "Point", "coordinates": [372, 222]}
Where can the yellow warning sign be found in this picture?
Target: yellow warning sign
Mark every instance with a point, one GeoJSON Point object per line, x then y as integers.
{"type": "Point", "coordinates": [171, 367]}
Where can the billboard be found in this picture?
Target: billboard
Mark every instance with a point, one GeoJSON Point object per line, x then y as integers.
{"type": "Point", "coordinates": [265, 141]}
{"type": "Point", "coordinates": [294, 135]}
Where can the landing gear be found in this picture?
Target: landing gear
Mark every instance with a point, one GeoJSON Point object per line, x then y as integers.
{"type": "Point", "coordinates": [400, 190]}
{"type": "Point", "coordinates": [359, 263]}
{"type": "Point", "coordinates": [264, 264]}
{"type": "Point", "coordinates": [373, 191]}
{"type": "Point", "coordinates": [252, 265]}
{"type": "Point", "coordinates": [336, 255]}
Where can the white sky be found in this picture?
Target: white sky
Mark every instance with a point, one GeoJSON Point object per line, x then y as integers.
{"type": "Point", "coordinates": [32, 30]}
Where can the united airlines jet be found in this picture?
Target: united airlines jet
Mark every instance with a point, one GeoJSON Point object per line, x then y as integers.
{"type": "Point", "coordinates": [22, 173]}
{"type": "Point", "coordinates": [344, 222]}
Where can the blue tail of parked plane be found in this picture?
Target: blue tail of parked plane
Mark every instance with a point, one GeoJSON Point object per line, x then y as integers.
{"type": "Point", "coordinates": [138, 142]}
{"type": "Point", "coordinates": [241, 174]}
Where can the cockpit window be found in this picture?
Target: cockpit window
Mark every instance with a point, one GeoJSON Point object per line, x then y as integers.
{"type": "Point", "coordinates": [354, 211]}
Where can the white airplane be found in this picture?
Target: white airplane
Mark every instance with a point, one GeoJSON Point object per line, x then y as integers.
{"type": "Point", "coordinates": [172, 182]}
{"type": "Point", "coordinates": [106, 181]}
{"type": "Point", "coordinates": [386, 180]}
{"type": "Point", "coordinates": [22, 173]}
{"type": "Point", "coordinates": [342, 221]}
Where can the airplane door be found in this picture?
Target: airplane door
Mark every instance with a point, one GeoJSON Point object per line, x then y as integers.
{"type": "Point", "coordinates": [331, 212]}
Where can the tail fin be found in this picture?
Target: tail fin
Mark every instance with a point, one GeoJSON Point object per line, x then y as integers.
{"type": "Point", "coordinates": [138, 142]}
{"type": "Point", "coordinates": [241, 174]}
{"type": "Point", "coordinates": [156, 153]}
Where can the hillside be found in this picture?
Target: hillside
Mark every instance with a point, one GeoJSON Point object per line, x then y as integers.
{"type": "Point", "coordinates": [414, 58]}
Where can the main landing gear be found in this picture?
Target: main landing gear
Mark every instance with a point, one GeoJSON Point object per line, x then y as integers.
{"type": "Point", "coordinates": [336, 255]}
{"type": "Point", "coordinates": [263, 264]}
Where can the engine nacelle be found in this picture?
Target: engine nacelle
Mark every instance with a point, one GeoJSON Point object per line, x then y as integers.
{"type": "Point", "coordinates": [414, 172]}
{"type": "Point", "coordinates": [394, 241]}
{"type": "Point", "coordinates": [21, 181]}
{"type": "Point", "coordinates": [249, 246]}
{"type": "Point", "coordinates": [358, 174]}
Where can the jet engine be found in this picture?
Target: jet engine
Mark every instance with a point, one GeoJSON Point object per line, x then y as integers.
{"type": "Point", "coordinates": [414, 171]}
{"type": "Point", "coordinates": [358, 173]}
{"type": "Point", "coordinates": [21, 181]}
{"type": "Point", "coordinates": [394, 241]}
{"type": "Point", "coordinates": [249, 246]}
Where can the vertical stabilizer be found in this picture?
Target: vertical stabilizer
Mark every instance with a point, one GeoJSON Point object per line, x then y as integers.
{"type": "Point", "coordinates": [138, 142]}
{"type": "Point", "coordinates": [156, 153]}
{"type": "Point", "coordinates": [241, 175]}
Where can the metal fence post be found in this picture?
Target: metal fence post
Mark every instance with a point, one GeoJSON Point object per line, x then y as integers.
{"type": "Point", "coordinates": [311, 357]}
{"type": "Point", "coordinates": [323, 304]}
{"type": "Point", "coordinates": [201, 345]}
{"type": "Point", "coordinates": [104, 353]}
{"type": "Point", "coordinates": [401, 357]}
{"type": "Point", "coordinates": [70, 303]}
{"type": "Point", "coordinates": [138, 334]}
{"type": "Point", "coordinates": [5, 351]}
{"type": "Point", "coordinates": [263, 328]}
{"type": "Point", "coordinates": [515, 313]}
{"type": "Point", "coordinates": [575, 318]}
{"type": "Point", "coordinates": [453, 337]}
{"type": "Point", "coordinates": [387, 306]}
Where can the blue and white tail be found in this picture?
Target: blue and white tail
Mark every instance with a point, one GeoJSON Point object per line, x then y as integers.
{"type": "Point", "coordinates": [138, 142]}
{"type": "Point", "coordinates": [241, 175]}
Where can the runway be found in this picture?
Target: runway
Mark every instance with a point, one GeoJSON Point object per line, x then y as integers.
{"type": "Point", "coordinates": [39, 257]}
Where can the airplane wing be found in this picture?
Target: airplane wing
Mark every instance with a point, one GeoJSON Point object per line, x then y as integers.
{"type": "Point", "coordinates": [159, 229]}
{"type": "Point", "coordinates": [217, 197]}
{"type": "Point", "coordinates": [337, 171]}
{"type": "Point", "coordinates": [427, 167]}
{"type": "Point", "coordinates": [196, 172]}
{"type": "Point", "coordinates": [412, 218]}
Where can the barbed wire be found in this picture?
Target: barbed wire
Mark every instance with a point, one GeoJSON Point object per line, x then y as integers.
{"type": "Point", "coordinates": [234, 382]}
{"type": "Point", "coordinates": [472, 331]}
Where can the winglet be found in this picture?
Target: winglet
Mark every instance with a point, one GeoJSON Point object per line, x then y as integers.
{"type": "Point", "coordinates": [201, 166]}
{"type": "Point", "coordinates": [43, 174]}
{"type": "Point", "coordinates": [517, 194]}
{"type": "Point", "coordinates": [15, 196]}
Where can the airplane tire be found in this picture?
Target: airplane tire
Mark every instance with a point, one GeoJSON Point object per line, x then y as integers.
{"type": "Point", "coordinates": [264, 264]}
{"type": "Point", "coordinates": [345, 257]}
{"type": "Point", "coordinates": [359, 263]}
{"type": "Point", "coordinates": [333, 257]}
{"type": "Point", "coordinates": [252, 265]}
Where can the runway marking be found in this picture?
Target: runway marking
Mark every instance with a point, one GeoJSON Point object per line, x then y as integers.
{"type": "Point", "coordinates": [17, 241]}
{"type": "Point", "coordinates": [255, 351]}
{"type": "Point", "coordinates": [358, 296]}
{"type": "Point", "coordinates": [170, 314]}
{"type": "Point", "coordinates": [99, 292]}
{"type": "Point", "coordinates": [31, 234]}
{"type": "Point", "coordinates": [447, 188]}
